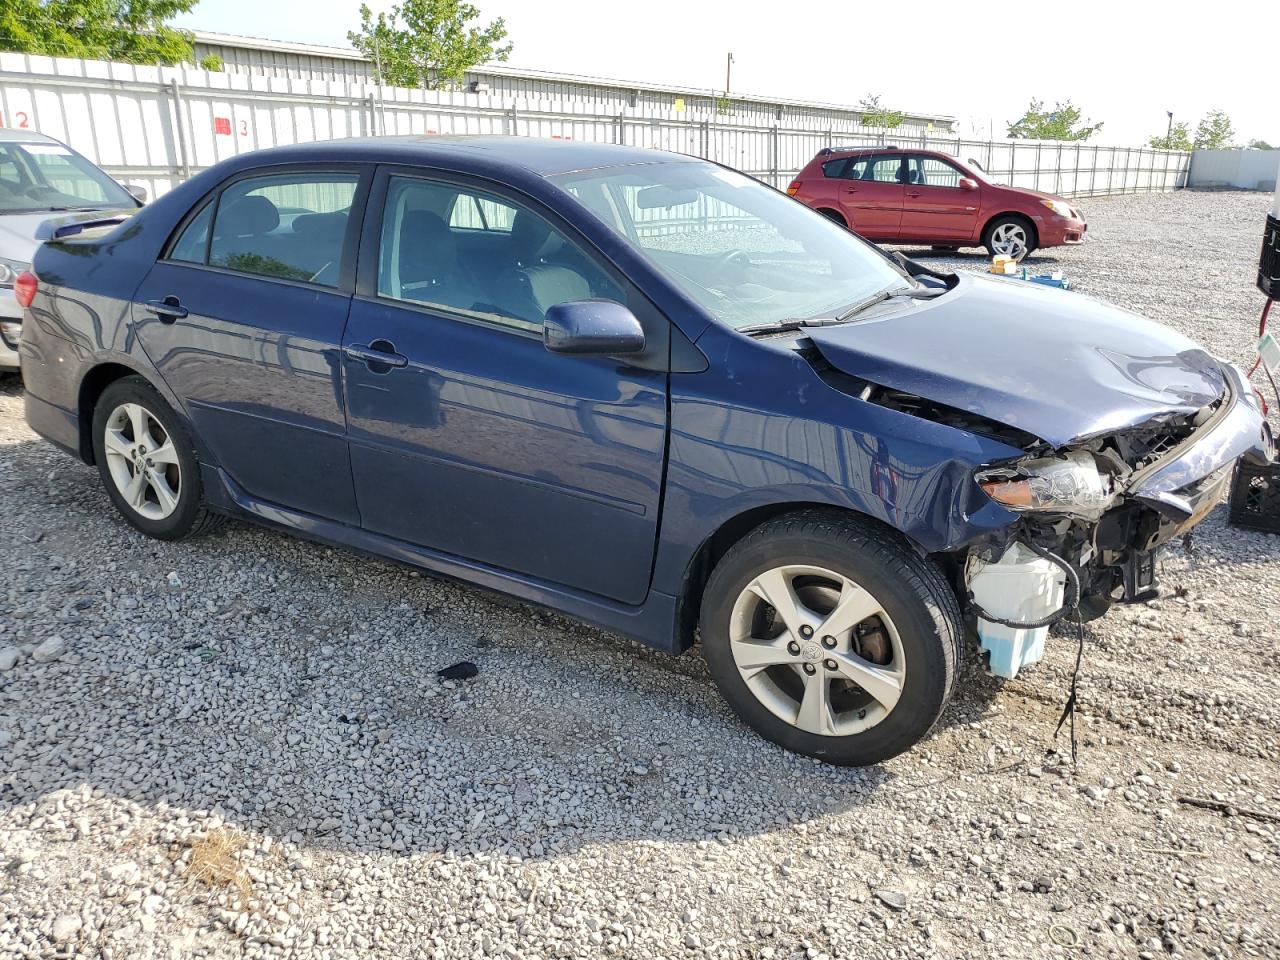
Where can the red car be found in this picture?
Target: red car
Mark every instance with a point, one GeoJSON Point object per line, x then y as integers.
{"type": "Point", "coordinates": [898, 195]}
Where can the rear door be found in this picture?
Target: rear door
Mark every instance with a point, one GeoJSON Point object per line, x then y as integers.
{"type": "Point", "coordinates": [243, 317]}
{"type": "Point", "coordinates": [936, 207]}
{"type": "Point", "coordinates": [470, 437]}
{"type": "Point", "coordinates": [871, 194]}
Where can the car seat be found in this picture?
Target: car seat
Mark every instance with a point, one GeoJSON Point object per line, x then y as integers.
{"type": "Point", "coordinates": [428, 264]}
{"type": "Point", "coordinates": [534, 283]}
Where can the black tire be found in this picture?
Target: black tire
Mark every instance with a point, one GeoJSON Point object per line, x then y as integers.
{"type": "Point", "coordinates": [189, 517]}
{"type": "Point", "coordinates": [834, 216]}
{"type": "Point", "coordinates": [1010, 219]}
{"type": "Point", "coordinates": [911, 590]}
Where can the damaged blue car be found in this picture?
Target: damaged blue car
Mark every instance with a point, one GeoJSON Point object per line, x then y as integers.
{"type": "Point", "coordinates": [644, 390]}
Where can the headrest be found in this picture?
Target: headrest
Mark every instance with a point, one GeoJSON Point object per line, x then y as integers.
{"type": "Point", "coordinates": [247, 217]}
{"type": "Point", "coordinates": [320, 226]}
{"type": "Point", "coordinates": [426, 244]}
{"type": "Point", "coordinates": [529, 235]}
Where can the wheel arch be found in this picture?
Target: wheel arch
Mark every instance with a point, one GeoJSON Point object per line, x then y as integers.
{"type": "Point", "coordinates": [105, 371]}
{"type": "Point", "coordinates": [732, 530]}
{"type": "Point", "coordinates": [92, 384]}
{"type": "Point", "coordinates": [835, 216]}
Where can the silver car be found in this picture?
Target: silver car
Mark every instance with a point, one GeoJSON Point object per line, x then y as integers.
{"type": "Point", "coordinates": [45, 188]}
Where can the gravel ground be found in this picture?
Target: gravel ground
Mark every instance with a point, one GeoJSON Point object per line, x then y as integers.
{"type": "Point", "coordinates": [238, 746]}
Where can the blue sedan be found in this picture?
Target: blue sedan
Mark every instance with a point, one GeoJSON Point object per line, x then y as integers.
{"type": "Point", "coordinates": [642, 389]}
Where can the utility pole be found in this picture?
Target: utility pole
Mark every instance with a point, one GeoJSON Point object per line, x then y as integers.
{"type": "Point", "coordinates": [377, 60]}
{"type": "Point", "coordinates": [1168, 136]}
{"type": "Point", "coordinates": [728, 69]}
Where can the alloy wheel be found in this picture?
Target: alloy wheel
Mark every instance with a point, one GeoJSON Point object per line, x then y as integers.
{"type": "Point", "coordinates": [1010, 239]}
{"type": "Point", "coordinates": [142, 461]}
{"type": "Point", "coordinates": [817, 650]}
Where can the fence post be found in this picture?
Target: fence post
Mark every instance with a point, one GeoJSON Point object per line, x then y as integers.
{"type": "Point", "coordinates": [371, 124]}
{"type": "Point", "coordinates": [1037, 179]}
{"type": "Point", "coordinates": [773, 155]}
{"type": "Point", "coordinates": [180, 122]}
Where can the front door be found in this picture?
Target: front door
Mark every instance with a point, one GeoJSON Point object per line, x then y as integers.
{"type": "Point", "coordinates": [871, 195]}
{"type": "Point", "coordinates": [244, 323]}
{"type": "Point", "coordinates": [936, 207]}
{"type": "Point", "coordinates": [467, 435]}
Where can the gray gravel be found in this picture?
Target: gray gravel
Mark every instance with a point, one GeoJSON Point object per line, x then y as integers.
{"type": "Point", "coordinates": [238, 746]}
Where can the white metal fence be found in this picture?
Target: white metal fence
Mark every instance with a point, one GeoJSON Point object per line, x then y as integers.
{"type": "Point", "coordinates": [1244, 169]}
{"type": "Point", "coordinates": [158, 125]}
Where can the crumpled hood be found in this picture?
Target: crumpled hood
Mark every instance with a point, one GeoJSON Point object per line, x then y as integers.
{"type": "Point", "coordinates": [1056, 364]}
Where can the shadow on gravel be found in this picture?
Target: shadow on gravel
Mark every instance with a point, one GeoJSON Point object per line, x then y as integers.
{"type": "Point", "coordinates": [293, 689]}
{"type": "Point", "coordinates": [973, 256]}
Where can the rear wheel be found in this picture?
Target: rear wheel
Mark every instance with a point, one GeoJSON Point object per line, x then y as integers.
{"type": "Point", "coordinates": [831, 637]}
{"type": "Point", "coordinates": [1010, 235]}
{"type": "Point", "coordinates": [147, 462]}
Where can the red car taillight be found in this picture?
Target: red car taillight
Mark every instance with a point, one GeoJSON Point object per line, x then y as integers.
{"type": "Point", "coordinates": [24, 288]}
{"type": "Point", "coordinates": [794, 188]}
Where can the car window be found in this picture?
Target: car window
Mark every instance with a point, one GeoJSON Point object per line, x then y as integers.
{"type": "Point", "coordinates": [743, 251]}
{"type": "Point", "coordinates": [476, 254]}
{"type": "Point", "coordinates": [288, 226]}
{"type": "Point", "coordinates": [471, 212]}
{"type": "Point", "coordinates": [932, 172]}
{"type": "Point", "coordinates": [192, 245]}
{"type": "Point", "coordinates": [37, 177]}
{"type": "Point", "coordinates": [834, 168]}
{"type": "Point", "coordinates": [878, 169]}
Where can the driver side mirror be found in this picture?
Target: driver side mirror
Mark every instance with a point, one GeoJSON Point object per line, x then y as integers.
{"type": "Point", "coordinates": [136, 191]}
{"type": "Point", "coordinates": [968, 183]}
{"type": "Point", "coordinates": [600, 328]}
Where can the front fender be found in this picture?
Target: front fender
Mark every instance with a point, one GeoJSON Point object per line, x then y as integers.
{"type": "Point", "coordinates": [737, 447]}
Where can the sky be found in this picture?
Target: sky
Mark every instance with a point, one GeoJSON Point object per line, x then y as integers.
{"type": "Point", "coordinates": [1123, 62]}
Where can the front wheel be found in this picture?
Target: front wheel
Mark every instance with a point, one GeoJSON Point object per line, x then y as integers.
{"type": "Point", "coordinates": [147, 462]}
{"type": "Point", "coordinates": [1010, 235]}
{"type": "Point", "coordinates": [831, 637]}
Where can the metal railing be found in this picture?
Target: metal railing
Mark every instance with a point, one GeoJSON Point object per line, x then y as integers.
{"type": "Point", "coordinates": [158, 125]}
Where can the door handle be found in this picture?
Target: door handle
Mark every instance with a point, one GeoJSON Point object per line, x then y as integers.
{"type": "Point", "coordinates": [168, 310]}
{"type": "Point", "coordinates": [379, 353]}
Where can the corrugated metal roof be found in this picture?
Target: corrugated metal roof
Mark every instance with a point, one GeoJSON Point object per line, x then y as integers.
{"type": "Point", "coordinates": [502, 70]}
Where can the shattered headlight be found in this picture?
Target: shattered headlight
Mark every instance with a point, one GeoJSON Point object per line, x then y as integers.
{"type": "Point", "coordinates": [1070, 484]}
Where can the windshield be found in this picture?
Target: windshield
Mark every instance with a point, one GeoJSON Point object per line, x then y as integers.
{"type": "Point", "coordinates": [35, 177]}
{"type": "Point", "coordinates": [743, 251]}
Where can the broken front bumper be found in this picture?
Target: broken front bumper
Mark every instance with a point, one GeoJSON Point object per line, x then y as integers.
{"type": "Point", "coordinates": [1185, 485]}
{"type": "Point", "coordinates": [1112, 557]}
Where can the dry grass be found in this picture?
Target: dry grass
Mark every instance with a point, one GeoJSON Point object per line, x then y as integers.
{"type": "Point", "coordinates": [215, 862]}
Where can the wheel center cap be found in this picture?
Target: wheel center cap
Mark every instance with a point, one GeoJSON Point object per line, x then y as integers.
{"type": "Point", "coordinates": [810, 652]}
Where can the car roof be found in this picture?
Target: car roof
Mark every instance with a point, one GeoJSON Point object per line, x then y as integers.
{"type": "Point", "coordinates": [542, 157]}
{"type": "Point", "coordinates": [10, 135]}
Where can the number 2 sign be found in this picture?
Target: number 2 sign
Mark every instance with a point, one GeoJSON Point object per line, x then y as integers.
{"type": "Point", "coordinates": [23, 122]}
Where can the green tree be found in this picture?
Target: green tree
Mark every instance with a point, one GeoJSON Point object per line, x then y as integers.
{"type": "Point", "coordinates": [1261, 145]}
{"type": "Point", "coordinates": [134, 31]}
{"type": "Point", "coordinates": [1178, 138]}
{"type": "Point", "coordinates": [875, 114]}
{"type": "Point", "coordinates": [428, 43]}
{"type": "Point", "coordinates": [1061, 123]}
{"type": "Point", "coordinates": [212, 62]}
{"type": "Point", "coordinates": [1214, 131]}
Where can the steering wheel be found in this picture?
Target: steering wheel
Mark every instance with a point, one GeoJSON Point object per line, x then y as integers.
{"type": "Point", "coordinates": [738, 258]}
